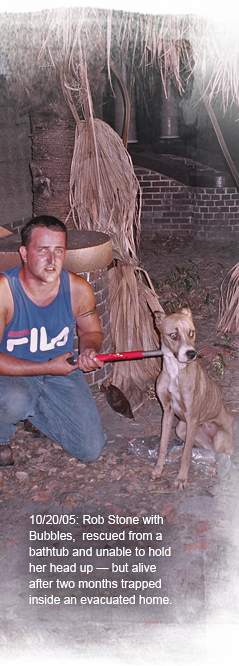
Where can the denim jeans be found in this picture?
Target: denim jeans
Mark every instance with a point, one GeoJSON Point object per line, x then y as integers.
{"type": "Point", "coordinates": [62, 408]}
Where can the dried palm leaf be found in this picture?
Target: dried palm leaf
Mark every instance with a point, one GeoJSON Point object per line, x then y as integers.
{"type": "Point", "coordinates": [178, 45]}
{"type": "Point", "coordinates": [104, 191]}
{"type": "Point", "coordinates": [132, 303]}
{"type": "Point", "coordinates": [229, 302]}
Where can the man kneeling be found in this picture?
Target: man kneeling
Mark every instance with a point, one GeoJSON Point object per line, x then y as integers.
{"type": "Point", "coordinates": [40, 302]}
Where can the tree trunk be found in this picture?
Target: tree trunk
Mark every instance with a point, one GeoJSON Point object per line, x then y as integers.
{"type": "Point", "coordinates": [53, 133]}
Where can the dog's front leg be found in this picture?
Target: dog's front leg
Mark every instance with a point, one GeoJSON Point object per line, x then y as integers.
{"type": "Point", "coordinates": [167, 423]}
{"type": "Point", "coordinates": [181, 480]}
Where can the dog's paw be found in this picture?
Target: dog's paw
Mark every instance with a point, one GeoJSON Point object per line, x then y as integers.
{"type": "Point", "coordinates": [157, 472]}
{"type": "Point", "coordinates": [181, 481]}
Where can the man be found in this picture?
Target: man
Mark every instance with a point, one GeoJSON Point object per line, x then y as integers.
{"type": "Point", "coordinates": [40, 302]}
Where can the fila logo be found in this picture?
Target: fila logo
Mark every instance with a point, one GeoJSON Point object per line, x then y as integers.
{"type": "Point", "coordinates": [23, 337]}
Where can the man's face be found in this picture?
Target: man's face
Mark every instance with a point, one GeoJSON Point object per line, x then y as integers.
{"type": "Point", "coordinates": [45, 255]}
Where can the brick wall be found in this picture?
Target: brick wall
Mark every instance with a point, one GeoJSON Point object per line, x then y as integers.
{"type": "Point", "coordinates": [171, 208]}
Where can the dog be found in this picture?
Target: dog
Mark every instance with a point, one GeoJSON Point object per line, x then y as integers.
{"type": "Point", "coordinates": [185, 389]}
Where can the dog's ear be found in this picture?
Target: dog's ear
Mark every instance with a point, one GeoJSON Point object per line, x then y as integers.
{"type": "Point", "coordinates": [158, 317]}
{"type": "Point", "coordinates": [187, 312]}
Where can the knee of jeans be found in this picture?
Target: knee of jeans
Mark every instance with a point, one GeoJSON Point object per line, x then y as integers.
{"type": "Point", "coordinates": [15, 406]}
{"type": "Point", "coordinates": [94, 452]}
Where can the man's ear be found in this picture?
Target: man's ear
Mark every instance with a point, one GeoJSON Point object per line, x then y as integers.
{"type": "Point", "coordinates": [158, 317]}
{"type": "Point", "coordinates": [23, 253]}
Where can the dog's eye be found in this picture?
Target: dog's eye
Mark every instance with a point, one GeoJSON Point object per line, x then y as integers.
{"type": "Point", "coordinates": [174, 336]}
{"type": "Point", "coordinates": [191, 334]}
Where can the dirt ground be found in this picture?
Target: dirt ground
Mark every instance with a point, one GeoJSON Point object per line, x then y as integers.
{"type": "Point", "coordinates": [200, 624]}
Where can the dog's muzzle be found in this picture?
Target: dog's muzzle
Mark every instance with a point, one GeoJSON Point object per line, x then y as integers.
{"type": "Point", "coordinates": [191, 354]}
{"type": "Point", "coordinates": [186, 354]}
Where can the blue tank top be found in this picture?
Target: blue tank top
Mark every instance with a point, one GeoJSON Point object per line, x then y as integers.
{"type": "Point", "coordinates": [38, 333]}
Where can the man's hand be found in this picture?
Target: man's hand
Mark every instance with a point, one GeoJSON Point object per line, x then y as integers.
{"type": "Point", "coordinates": [60, 366]}
{"type": "Point", "coordinates": [88, 361]}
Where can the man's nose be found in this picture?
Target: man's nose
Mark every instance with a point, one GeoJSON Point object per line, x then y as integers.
{"type": "Point", "coordinates": [50, 256]}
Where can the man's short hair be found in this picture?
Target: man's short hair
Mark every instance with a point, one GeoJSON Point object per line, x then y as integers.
{"type": "Point", "coordinates": [47, 221]}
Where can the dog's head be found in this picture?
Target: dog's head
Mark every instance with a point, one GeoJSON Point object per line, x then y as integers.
{"type": "Point", "coordinates": [178, 334]}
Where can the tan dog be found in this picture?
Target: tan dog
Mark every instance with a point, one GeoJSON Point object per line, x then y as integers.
{"type": "Point", "coordinates": [185, 389]}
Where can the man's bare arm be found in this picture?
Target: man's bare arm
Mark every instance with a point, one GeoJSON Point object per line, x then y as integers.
{"type": "Point", "coordinates": [90, 342]}
{"type": "Point", "coordinates": [89, 329]}
{"type": "Point", "coordinates": [14, 367]}
{"type": "Point", "coordinates": [90, 313]}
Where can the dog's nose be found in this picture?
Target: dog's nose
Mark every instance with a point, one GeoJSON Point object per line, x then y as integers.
{"type": "Point", "coordinates": [191, 354]}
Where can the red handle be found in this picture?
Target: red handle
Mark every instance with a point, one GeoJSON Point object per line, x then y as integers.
{"type": "Point", "coordinates": [124, 356]}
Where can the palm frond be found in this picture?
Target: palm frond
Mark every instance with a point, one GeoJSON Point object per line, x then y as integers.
{"type": "Point", "coordinates": [184, 45]}
{"type": "Point", "coordinates": [133, 301]}
{"type": "Point", "coordinates": [104, 191]}
{"type": "Point", "coordinates": [38, 45]}
{"type": "Point", "coordinates": [229, 302]}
